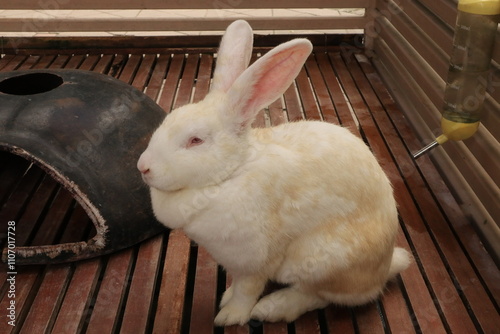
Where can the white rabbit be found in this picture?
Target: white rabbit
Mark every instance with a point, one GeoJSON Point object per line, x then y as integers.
{"type": "Point", "coordinates": [304, 204]}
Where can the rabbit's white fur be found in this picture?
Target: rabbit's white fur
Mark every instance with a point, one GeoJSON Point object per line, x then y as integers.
{"type": "Point", "coordinates": [304, 204]}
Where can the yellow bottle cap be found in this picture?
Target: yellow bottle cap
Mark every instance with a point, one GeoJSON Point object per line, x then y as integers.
{"type": "Point", "coordinates": [457, 131]}
{"type": "Point", "coordinates": [482, 7]}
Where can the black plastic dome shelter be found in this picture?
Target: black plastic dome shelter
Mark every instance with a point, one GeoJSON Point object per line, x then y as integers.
{"type": "Point", "coordinates": [86, 130]}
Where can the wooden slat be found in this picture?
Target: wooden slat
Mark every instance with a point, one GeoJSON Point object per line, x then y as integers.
{"type": "Point", "coordinates": [321, 91]}
{"type": "Point", "coordinates": [106, 311]}
{"type": "Point", "coordinates": [308, 323]}
{"type": "Point", "coordinates": [13, 63]}
{"type": "Point", "coordinates": [71, 315]}
{"type": "Point", "coordinates": [170, 87]}
{"type": "Point", "coordinates": [47, 300]}
{"type": "Point", "coordinates": [188, 78]}
{"type": "Point", "coordinates": [179, 4]}
{"type": "Point", "coordinates": [368, 319]}
{"type": "Point", "coordinates": [157, 77]}
{"type": "Point", "coordinates": [168, 317]}
{"type": "Point", "coordinates": [204, 294]}
{"type": "Point", "coordinates": [54, 220]}
{"type": "Point", "coordinates": [341, 104]}
{"type": "Point", "coordinates": [140, 297]}
{"type": "Point", "coordinates": [74, 309]}
{"type": "Point", "coordinates": [203, 77]}
{"type": "Point", "coordinates": [396, 309]}
{"type": "Point", "coordinates": [25, 285]}
{"type": "Point", "coordinates": [307, 97]}
{"type": "Point", "coordinates": [21, 193]}
{"type": "Point", "coordinates": [339, 320]}
{"type": "Point", "coordinates": [181, 24]}
{"type": "Point", "coordinates": [5, 60]}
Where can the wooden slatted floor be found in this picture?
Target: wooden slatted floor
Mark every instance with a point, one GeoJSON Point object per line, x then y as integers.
{"type": "Point", "coordinates": [169, 285]}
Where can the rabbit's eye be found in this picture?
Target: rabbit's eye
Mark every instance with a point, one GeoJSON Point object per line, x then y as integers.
{"type": "Point", "coordinates": [194, 141]}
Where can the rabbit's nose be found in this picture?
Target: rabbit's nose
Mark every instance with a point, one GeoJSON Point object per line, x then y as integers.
{"type": "Point", "coordinates": [142, 165]}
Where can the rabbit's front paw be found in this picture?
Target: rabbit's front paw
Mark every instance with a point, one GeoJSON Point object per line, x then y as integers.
{"type": "Point", "coordinates": [233, 314]}
{"type": "Point", "coordinates": [286, 305]}
{"type": "Point", "coordinates": [226, 297]}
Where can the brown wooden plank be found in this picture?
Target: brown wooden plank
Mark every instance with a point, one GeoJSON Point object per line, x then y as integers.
{"type": "Point", "coordinates": [74, 61]}
{"type": "Point", "coordinates": [307, 96]}
{"type": "Point", "coordinates": [276, 113]}
{"type": "Point", "coordinates": [157, 77]}
{"type": "Point", "coordinates": [14, 63]}
{"type": "Point", "coordinates": [339, 319]}
{"type": "Point", "coordinates": [308, 323]}
{"type": "Point", "coordinates": [143, 74]}
{"type": "Point", "coordinates": [204, 295]}
{"type": "Point", "coordinates": [74, 308]}
{"type": "Point", "coordinates": [127, 75]}
{"type": "Point", "coordinates": [168, 317]}
{"type": "Point", "coordinates": [17, 182]}
{"type": "Point", "coordinates": [320, 90]}
{"type": "Point", "coordinates": [25, 281]}
{"type": "Point", "coordinates": [60, 61]}
{"type": "Point", "coordinates": [203, 77]}
{"type": "Point", "coordinates": [110, 297]}
{"type": "Point", "coordinates": [275, 328]}
{"type": "Point", "coordinates": [29, 63]}
{"type": "Point", "coordinates": [368, 319]}
{"type": "Point", "coordinates": [186, 85]}
{"type": "Point", "coordinates": [13, 208]}
{"type": "Point", "coordinates": [171, 81]}
{"type": "Point", "coordinates": [464, 272]}
{"type": "Point", "coordinates": [339, 100]}
{"type": "Point", "coordinates": [5, 60]}
{"type": "Point", "coordinates": [47, 300]}
{"type": "Point", "coordinates": [140, 296]}
{"type": "Point", "coordinates": [77, 297]}
{"type": "Point", "coordinates": [54, 220]}
{"type": "Point", "coordinates": [396, 310]}
{"type": "Point", "coordinates": [49, 295]}
{"type": "Point", "coordinates": [36, 206]}
{"type": "Point", "coordinates": [46, 61]}
{"type": "Point", "coordinates": [293, 105]}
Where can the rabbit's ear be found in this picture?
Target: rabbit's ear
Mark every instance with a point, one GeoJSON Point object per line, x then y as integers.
{"type": "Point", "coordinates": [234, 54]}
{"type": "Point", "coordinates": [267, 79]}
